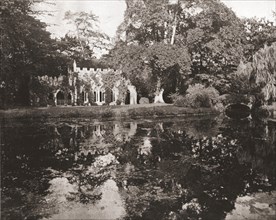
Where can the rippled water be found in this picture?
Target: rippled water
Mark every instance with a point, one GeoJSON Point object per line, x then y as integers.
{"type": "Point", "coordinates": [190, 168]}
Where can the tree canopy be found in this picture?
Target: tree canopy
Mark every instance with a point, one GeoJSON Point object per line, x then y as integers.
{"type": "Point", "coordinates": [258, 32]}
{"type": "Point", "coordinates": [181, 39]}
{"type": "Point", "coordinates": [26, 51]}
{"type": "Point", "coordinates": [186, 41]}
{"type": "Point", "coordinates": [86, 34]}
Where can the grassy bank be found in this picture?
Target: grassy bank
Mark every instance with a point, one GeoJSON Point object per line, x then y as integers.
{"type": "Point", "coordinates": [105, 112]}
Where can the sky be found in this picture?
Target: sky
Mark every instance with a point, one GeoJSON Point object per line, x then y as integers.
{"type": "Point", "coordinates": [111, 12]}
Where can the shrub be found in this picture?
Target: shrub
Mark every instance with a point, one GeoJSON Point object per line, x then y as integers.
{"type": "Point", "coordinates": [198, 96]}
{"type": "Point", "coordinates": [144, 100]}
{"type": "Point", "coordinates": [174, 96]}
{"type": "Point", "coordinates": [203, 100]}
{"type": "Point", "coordinates": [118, 102]}
{"type": "Point", "coordinates": [182, 101]}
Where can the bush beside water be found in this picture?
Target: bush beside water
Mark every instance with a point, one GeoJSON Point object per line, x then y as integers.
{"type": "Point", "coordinates": [197, 96]}
{"type": "Point", "coordinates": [144, 100]}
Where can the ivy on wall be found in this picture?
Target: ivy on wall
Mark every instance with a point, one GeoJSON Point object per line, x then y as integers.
{"type": "Point", "coordinates": [45, 88]}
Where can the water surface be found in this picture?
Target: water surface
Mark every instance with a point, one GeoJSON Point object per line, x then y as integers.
{"type": "Point", "coordinates": [190, 168]}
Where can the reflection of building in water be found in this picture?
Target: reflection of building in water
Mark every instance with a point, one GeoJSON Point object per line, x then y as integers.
{"type": "Point", "coordinates": [97, 139]}
{"type": "Point", "coordinates": [99, 130]}
{"type": "Point", "coordinates": [146, 147]}
{"type": "Point", "coordinates": [94, 140]}
{"type": "Point", "coordinates": [124, 132]}
{"type": "Point", "coordinates": [66, 137]}
{"type": "Point", "coordinates": [132, 129]}
{"type": "Point", "coordinates": [85, 139]}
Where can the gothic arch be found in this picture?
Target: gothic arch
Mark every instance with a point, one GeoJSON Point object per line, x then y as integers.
{"type": "Point", "coordinates": [60, 97]}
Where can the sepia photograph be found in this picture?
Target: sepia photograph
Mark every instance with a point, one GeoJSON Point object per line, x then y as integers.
{"type": "Point", "coordinates": [138, 109]}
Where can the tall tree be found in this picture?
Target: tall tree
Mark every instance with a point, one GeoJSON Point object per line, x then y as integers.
{"type": "Point", "coordinates": [257, 78]}
{"type": "Point", "coordinates": [147, 28]}
{"type": "Point", "coordinates": [213, 34]}
{"type": "Point", "coordinates": [26, 51]}
{"type": "Point", "coordinates": [86, 33]}
{"type": "Point", "coordinates": [208, 31]}
{"type": "Point", "coordinates": [258, 32]}
{"type": "Point", "coordinates": [153, 68]}
{"type": "Point", "coordinates": [264, 71]}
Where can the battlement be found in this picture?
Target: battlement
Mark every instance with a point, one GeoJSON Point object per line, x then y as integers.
{"type": "Point", "coordinates": [94, 70]}
{"type": "Point", "coordinates": [88, 70]}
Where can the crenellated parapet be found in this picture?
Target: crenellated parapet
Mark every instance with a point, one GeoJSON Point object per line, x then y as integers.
{"type": "Point", "coordinates": [94, 71]}
{"type": "Point", "coordinates": [83, 71]}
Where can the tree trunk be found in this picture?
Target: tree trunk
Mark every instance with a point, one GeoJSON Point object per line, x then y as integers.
{"type": "Point", "coordinates": [165, 33]}
{"type": "Point", "coordinates": [174, 26]}
{"type": "Point", "coordinates": [173, 33]}
{"type": "Point", "coordinates": [82, 47]}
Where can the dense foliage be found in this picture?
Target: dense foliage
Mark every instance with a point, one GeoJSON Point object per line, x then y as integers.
{"type": "Point", "coordinates": [143, 47]}
{"type": "Point", "coordinates": [206, 35]}
{"type": "Point", "coordinates": [264, 71]}
{"type": "Point", "coordinates": [210, 38]}
{"type": "Point", "coordinates": [198, 96]}
{"type": "Point", "coordinates": [148, 66]}
{"type": "Point", "coordinates": [255, 81]}
{"type": "Point", "coordinates": [26, 51]}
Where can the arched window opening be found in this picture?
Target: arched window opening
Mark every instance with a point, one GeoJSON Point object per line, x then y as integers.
{"type": "Point", "coordinates": [95, 97]}
{"type": "Point", "coordinates": [69, 99]}
{"type": "Point", "coordinates": [82, 97]}
{"type": "Point", "coordinates": [112, 96]}
{"type": "Point", "coordinates": [101, 96]}
{"type": "Point", "coordinates": [60, 98]}
{"type": "Point", "coordinates": [127, 100]}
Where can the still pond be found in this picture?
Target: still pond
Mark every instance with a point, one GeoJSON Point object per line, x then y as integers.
{"type": "Point", "coordinates": [189, 168]}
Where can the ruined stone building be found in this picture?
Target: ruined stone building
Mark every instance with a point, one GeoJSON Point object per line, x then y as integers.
{"type": "Point", "coordinates": [89, 86]}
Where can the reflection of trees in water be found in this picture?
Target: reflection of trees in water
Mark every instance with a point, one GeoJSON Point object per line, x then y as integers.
{"type": "Point", "coordinates": [190, 178]}
{"type": "Point", "coordinates": [258, 142]}
{"type": "Point", "coordinates": [198, 177]}
{"type": "Point", "coordinates": [197, 127]}
{"type": "Point", "coordinates": [31, 148]}
{"type": "Point", "coordinates": [24, 177]}
{"type": "Point", "coordinates": [163, 171]}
